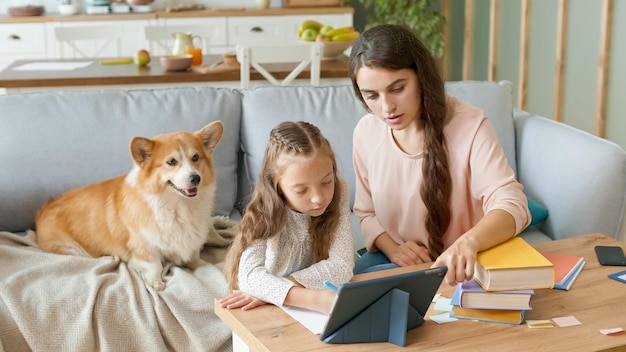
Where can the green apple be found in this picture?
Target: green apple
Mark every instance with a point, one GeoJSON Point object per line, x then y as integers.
{"type": "Point", "coordinates": [325, 29]}
{"type": "Point", "coordinates": [142, 57]}
{"type": "Point", "coordinates": [308, 35]}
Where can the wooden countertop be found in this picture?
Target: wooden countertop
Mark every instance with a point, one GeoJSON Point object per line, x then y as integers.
{"type": "Point", "coordinates": [99, 75]}
{"type": "Point", "coordinates": [215, 12]}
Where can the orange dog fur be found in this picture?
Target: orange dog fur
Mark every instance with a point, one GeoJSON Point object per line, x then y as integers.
{"type": "Point", "coordinates": [161, 211]}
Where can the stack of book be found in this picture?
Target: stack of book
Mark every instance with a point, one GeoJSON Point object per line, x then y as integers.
{"type": "Point", "coordinates": [505, 278]}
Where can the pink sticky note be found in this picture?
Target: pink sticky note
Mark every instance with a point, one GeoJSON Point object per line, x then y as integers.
{"type": "Point", "coordinates": [566, 321]}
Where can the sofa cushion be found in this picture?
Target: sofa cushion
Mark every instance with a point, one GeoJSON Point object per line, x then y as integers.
{"type": "Point", "coordinates": [54, 141]}
{"type": "Point", "coordinates": [537, 212]}
{"type": "Point", "coordinates": [496, 99]}
{"type": "Point", "coordinates": [265, 107]}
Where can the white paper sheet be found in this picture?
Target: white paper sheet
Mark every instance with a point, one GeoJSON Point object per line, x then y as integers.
{"type": "Point", "coordinates": [312, 320]}
{"type": "Point", "coordinates": [52, 66]}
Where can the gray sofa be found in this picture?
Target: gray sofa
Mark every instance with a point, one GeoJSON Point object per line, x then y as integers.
{"type": "Point", "coordinates": [53, 141]}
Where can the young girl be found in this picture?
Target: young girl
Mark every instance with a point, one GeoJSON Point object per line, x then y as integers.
{"type": "Point", "coordinates": [296, 231]}
{"type": "Point", "coordinates": [433, 183]}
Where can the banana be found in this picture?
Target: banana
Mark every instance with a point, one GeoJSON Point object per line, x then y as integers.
{"type": "Point", "coordinates": [309, 24]}
{"type": "Point", "coordinates": [340, 30]}
{"type": "Point", "coordinates": [345, 36]}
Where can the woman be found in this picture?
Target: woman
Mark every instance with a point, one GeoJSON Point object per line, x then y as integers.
{"type": "Point", "coordinates": [433, 183]}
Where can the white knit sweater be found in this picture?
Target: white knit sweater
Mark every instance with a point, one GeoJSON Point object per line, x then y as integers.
{"type": "Point", "coordinates": [264, 265]}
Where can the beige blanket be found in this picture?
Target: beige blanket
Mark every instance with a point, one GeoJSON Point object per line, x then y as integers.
{"type": "Point", "coordinates": [54, 302]}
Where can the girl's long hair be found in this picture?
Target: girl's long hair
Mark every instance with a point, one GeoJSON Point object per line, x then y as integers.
{"type": "Point", "coordinates": [266, 213]}
{"type": "Point", "coordinates": [396, 47]}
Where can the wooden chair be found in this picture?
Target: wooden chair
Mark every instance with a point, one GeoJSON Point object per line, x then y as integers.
{"type": "Point", "coordinates": [90, 41]}
{"type": "Point", "coordinates": [307, 54]}
{"type": "Point", "coordinates": [160, 39]}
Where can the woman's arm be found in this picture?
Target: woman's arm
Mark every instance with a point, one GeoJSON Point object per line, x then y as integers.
{"type": "Point", "coordinates": [503, 202]}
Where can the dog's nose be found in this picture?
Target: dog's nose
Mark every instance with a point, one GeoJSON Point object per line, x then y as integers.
{"type": "Point", "coordinates": [194, 179]}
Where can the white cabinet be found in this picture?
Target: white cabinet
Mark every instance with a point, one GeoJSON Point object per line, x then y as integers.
{"type": "Point", "coordinates": [22, 41]}
{"type": "Point", "coordinates": [33, 40]}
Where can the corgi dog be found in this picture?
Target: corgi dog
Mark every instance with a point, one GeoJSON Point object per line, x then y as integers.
{"type": "Point", "coordinates": [161, 211]}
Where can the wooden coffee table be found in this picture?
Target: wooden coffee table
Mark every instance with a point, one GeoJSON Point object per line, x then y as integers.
{"type": "Point", "coordinates": [597, 301]}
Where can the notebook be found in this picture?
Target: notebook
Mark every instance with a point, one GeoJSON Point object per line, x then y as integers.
{"type": "Point", "coordinates": [354, 298]}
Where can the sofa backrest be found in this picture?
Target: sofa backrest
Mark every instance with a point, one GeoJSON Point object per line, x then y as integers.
{"type": "Point", "coordinates": [335, 111]}
{"type": "Point", "coordinates": [496, 100]}
{"type": "Point", "coordinates": [53, 141]}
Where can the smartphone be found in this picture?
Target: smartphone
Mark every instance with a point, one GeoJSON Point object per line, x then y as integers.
{"type": "Point", "coordinates": [360, 252]}
{"type": "Point", "coordinates": [610, 255]}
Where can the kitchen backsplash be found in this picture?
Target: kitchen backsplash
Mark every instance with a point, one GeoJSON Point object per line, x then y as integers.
{"type": "Point", "coordinates": [51, 5]}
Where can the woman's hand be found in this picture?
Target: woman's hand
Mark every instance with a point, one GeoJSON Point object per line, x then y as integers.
{"type": "Point", "coordinates": [410, 253]}
{"type": "Point", "coordinates": [459, 258]}
{"type": "Point", "coordinates": [238, 299]}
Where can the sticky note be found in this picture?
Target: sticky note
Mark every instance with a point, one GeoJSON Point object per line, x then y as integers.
{"type": "Point", "coordinates": [443, 304]}
{"type": "Point", "coordinates": [566, 321]}
{"type": "Point", "coordinates": [539, 324]}
{"type": "Point", "coordinates": [612, 331]}
{"type": "Point", "coordinates": [442, 318]}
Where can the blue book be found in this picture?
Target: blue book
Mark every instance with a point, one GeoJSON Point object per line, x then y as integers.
{"type": "Point", "coordinates": [569, 281]}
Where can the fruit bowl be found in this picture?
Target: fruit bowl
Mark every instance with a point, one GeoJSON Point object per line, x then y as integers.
{"type": "Point", "coordinates": [333, 49]}
{"type": "Point", "coordinates": [176, 62]}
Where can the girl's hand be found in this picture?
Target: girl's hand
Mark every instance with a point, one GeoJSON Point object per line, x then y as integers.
{"type": "Point", "coordinates": [238, 299]}
{"type": "Point", "coordinates": [410, 253]}
{"type": "Point", "coordinates": [459, 258]}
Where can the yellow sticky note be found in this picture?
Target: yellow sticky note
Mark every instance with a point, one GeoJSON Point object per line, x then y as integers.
{"type": "Point", "coordinates": [539, 324]}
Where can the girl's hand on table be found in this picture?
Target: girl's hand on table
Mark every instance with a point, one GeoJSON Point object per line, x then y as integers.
{"type": "Point", "coordinates": [238, 299]}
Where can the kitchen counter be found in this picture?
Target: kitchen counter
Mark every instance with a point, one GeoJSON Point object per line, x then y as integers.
{"type": "Point", "coordinates": [216, 12]}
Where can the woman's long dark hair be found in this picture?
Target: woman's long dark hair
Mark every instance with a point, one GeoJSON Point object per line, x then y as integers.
{"type": "Point", "coordinates": [396, 47]}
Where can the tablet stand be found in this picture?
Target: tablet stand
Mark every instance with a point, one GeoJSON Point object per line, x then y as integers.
{"type": "Point", "coordinates": [386, 319]}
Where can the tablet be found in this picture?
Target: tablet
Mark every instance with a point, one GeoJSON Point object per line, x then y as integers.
{"type": "Point", "coordinates": [355, 297]}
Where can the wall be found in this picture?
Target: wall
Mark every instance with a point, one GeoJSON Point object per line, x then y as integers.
{"type": "Point", "coordinates": [581, 61]}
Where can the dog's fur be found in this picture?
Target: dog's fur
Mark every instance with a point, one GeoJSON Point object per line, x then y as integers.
{"type": "Point", "coordinates": [161, 211]}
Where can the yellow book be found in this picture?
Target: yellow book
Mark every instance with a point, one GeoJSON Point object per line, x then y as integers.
{"type": "Point", "coordinates": [489, 315]}
{"type": "Point", "coordinates": [513, 265]}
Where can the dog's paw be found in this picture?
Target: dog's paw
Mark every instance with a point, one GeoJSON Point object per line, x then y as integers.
{"type": "Point", "coordinates": [196, 263]}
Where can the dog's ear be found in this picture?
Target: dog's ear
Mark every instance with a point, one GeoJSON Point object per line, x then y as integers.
{"type": "Point", "coordinates": [211, 134]}
{"type": "Point", "coordinates": [141, 150]}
